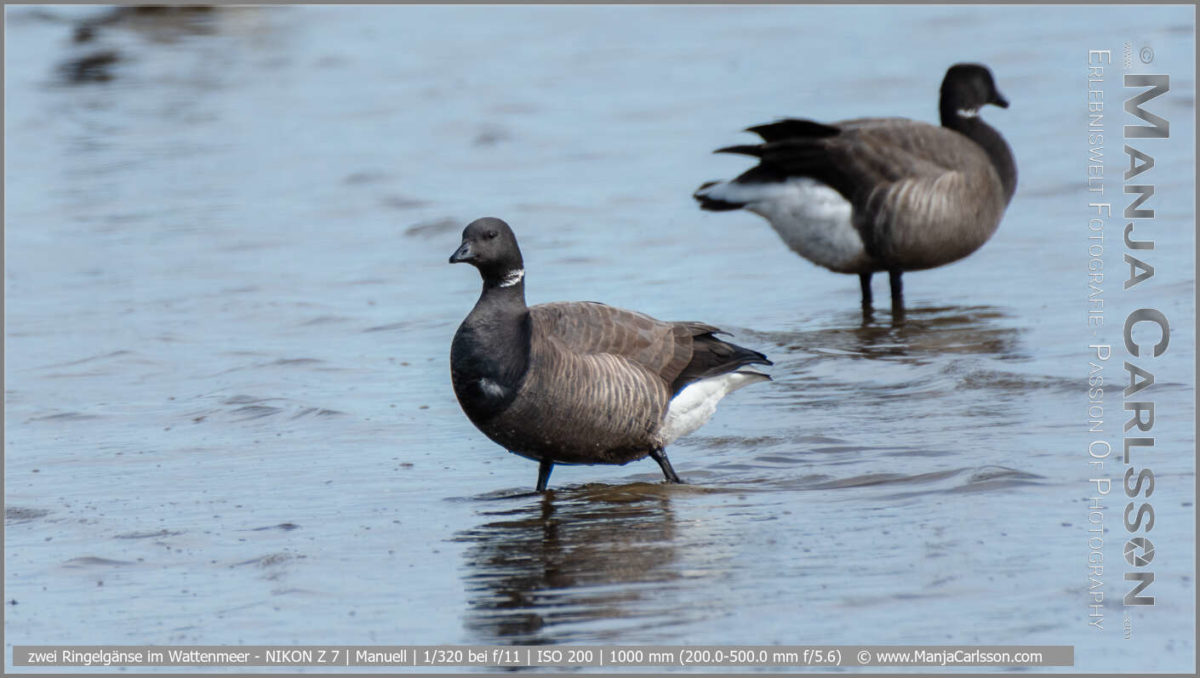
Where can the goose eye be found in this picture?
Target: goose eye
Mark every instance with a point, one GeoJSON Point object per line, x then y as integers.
{"type": "Point", "coordinates": [490, 234]}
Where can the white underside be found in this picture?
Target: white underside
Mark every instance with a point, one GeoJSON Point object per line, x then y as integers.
{"type": "Point", "coordinates": [812, 218]}
{"type": "Point", "coordinates": [696, 403]}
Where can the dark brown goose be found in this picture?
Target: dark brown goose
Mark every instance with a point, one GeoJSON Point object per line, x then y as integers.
{"type": "Point", "coordinates": [581, 383]}
{"type": "Point", "coordinates": [881, 194]}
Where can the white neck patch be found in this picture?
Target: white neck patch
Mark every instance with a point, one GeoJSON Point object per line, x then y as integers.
{"type": "Point", "coordinates": [968, 112]}
{"type": "Point", "coordinates": [513, 278]}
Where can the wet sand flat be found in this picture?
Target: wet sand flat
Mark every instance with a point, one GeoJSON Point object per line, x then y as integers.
{"type": "Point", "coordinates": [228, 409]}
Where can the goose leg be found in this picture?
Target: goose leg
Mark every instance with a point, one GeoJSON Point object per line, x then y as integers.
{"type": "Point", "coordinates": [897, 294]}
{"type": "Point", "coordinates": [545, 466]}
{"type": "Point", "coordinates": [864, 282]}
{"type": "Point", "coordinates": [660, 455]}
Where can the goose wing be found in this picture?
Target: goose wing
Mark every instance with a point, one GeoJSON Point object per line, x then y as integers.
{"type": "Point", "coordinates": [676, 352]}
{"type": "Point", "coordinates": [863, 155]}
{"type": "Point", "coordinates": [893, 171]}
{"type": "Point", "coordinates": [588, 327]}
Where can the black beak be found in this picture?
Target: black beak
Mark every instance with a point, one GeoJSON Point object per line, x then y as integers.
{"type": "Point", "coordinates": [999, 100]}
{"type": "Point", "coordinates": [463, 253]}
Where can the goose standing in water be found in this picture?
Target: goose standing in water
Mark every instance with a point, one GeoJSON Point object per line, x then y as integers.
{"type": "Point", "coordinates": [881, 194]}
{"type": "Point", "coordinates": [582, 382]}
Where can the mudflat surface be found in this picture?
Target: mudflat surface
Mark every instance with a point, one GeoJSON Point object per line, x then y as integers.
{"type": "Point", "coordinates": [229, 414]}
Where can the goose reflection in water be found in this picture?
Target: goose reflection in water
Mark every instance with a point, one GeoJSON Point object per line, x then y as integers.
{"type": "Point", "coordinates": [928, 334]}
{"type": "Point", "coordinates": [894, 377]}
{"type": "Point", "coordinates": [584, 564]}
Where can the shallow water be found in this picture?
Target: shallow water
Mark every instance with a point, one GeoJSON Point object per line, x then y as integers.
{"type": "Point", "coordinates": [228, 316]}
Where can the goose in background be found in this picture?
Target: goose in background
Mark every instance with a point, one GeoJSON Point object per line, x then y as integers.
{"type": "Point", "coordinates": [581, 382]}
{"type": "Point", "coordinates": [880, 194]}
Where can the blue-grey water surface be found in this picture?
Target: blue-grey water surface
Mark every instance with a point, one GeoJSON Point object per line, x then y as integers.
{"type": "Point", "coordinates": [228, 315]}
